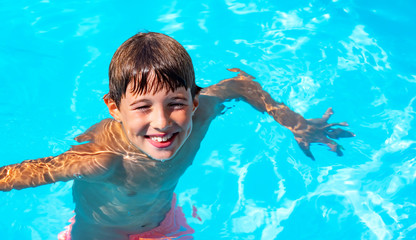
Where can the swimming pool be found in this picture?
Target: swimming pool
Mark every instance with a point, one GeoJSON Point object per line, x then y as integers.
{"type": "Point", "coordinates": [249, 180]}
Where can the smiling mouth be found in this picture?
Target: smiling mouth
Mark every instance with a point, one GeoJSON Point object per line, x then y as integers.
{"type": "Point", "coordinates": [161, 141]}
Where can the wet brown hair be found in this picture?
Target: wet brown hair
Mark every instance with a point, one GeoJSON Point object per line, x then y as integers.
{"type": "Point", "coordinates": [152, 62]}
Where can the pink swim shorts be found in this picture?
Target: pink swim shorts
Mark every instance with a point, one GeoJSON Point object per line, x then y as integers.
{"type": "Point", "coordinates": [173, 227]}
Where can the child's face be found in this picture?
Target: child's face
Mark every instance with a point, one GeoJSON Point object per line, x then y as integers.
{"type": "Point", "coordinates": [158, 124]}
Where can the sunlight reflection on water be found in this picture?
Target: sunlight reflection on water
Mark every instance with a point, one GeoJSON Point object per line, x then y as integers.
{"type": "Point", "coordinates": [250, 180]}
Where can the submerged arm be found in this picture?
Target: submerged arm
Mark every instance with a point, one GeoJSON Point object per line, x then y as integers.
{"type": "Point", "coordinates": [67, 166]}
{"type": "Point", "coordinates": [242, 87]}
{"type": "Point", "coordinates": [306, 131]}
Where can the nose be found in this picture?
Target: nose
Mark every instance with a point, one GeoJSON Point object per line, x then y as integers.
{"type": "Point", "coordinates": [160, 119]}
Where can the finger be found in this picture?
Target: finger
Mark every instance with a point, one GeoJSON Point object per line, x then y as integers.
{"type": "Point", "coordinates": [345, 124]}
{"type": "Point", "coordinates": [335, 148]}
{"type": "Point", "coordinates": [306, 149]}
{"type": "Point", "coordinates": [234, 69]}
{"type": "Point", "coordinates": [309, 154]}
{"type": "Point", "coordinates": [338, 150]}
{"type": "Point", "coordinates": [339, 133]}
{"type": "Point", "coordinates": [327, 114]}
{"type": "Point", "coordinates": [322, 122]}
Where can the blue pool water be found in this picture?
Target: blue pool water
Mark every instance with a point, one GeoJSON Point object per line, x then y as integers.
{"type": "Point", "coordinates": [249, 180]}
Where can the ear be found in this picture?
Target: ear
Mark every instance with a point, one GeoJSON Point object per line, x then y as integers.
{"type": "Point", "coordinates": [113, 109]}
{"type": "Point", "coordinates": [195, 103]}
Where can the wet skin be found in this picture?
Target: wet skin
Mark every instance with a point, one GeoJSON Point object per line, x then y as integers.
{"type": "Point", "coordinates": [156, 123]}
{"type": "Point", "coordinates": [120, 185]}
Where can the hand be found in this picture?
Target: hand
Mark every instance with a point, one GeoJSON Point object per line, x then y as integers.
{"type": "Point", "coordinates": [317, 130]}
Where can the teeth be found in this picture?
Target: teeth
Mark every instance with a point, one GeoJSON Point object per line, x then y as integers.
{"type": "Point", "coordinates": [161, 139]}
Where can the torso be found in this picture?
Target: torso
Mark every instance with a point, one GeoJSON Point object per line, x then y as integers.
{"type": "Point", "coordinates": [136, 196]}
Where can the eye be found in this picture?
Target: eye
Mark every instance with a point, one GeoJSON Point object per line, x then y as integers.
{"type": "Point", "coordinates": [177, 105]}
{"type": "Point", "coordinates": [143, 108]}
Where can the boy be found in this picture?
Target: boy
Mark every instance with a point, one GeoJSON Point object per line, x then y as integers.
{"type": "Point", "coordinates": [127, 168]}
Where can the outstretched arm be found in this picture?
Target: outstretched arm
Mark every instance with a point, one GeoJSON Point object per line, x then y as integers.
{"type": "Point", "coordinates": [306, 131]}
{"type": "Point", "coordinates": [67, 166]}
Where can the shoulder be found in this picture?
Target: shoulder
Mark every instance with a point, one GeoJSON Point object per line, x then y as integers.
{"type": "Point", "coordinates": [105, 136]}
{"type": "Point", "coordinates": [92, 133]}
{"type": "Point", "coordinates": [209, 107]}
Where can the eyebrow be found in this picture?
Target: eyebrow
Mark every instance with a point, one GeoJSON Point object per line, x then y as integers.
{"type": "Point", "coordinates": [146, 100]}
{"type": "Point", "coordinates": [179, 98]}
{"type": "Point", "coordinates": [139, 101]}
